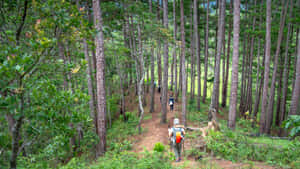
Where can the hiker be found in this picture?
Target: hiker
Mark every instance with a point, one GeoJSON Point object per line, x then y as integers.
{"type": "Point", "coordinates": [171, 103]}
{"type": "Point", "coordinates": [176, 134]}
{"type": "Point", "coordinates": [158, 89]}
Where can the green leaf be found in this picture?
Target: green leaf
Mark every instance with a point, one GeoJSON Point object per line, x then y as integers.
{"type": "Point", "coordinates": [18, 67]}
{"type": "Point", "coordinates": [295, 130]}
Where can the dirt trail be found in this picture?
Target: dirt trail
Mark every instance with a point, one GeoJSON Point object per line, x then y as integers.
{"type": "Point", "coordinates": [154, 132]}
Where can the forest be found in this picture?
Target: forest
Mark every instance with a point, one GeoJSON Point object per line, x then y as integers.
{"type": "Point", "coordinates": [107, 84]}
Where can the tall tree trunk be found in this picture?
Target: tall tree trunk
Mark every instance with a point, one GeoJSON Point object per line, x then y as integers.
{"type": "Point", "coordinates": [285, 76]}
{"type": "Point", "coordinates": [196, 37]}
{"type": "Point", "coordinates": [192, 53]}
{"type": "Point", "coordinates": [217, 27]}
{"type": "Point", "coordinates": [158, 49]}
{"type": "Point", "coordinates": [259, 80]}
{"type": "Point", "coordinates": [152, 92]}
{"type": "Point", "coordinates": [295, 60]}
{"type": "Point", "coordinates": [244, 64]}
{"type": "Point", "coordinates": [296, 91]}
{"type": "Point", "coordinates": [16, 131]}
{"type": "Point", "coordinates": [183, 115]}
{"type": "Point", "coordinates": [249, 87]}
{"type": "Point", "coordinates": [142, 75]}
{"type": "Point", "coordinates": [215, 95]}
{"type": "Point", "coordinates": [187, 73]}
{"type": "Point", "coordinates": [235, 64]}
{"type": "Point", "coordinates": [89, 80]}
{"type": "Point", "coordinates": [89, 75]}
{"type": "Point", "coordinates": [61, 52]}
{"type": "Point", "coordinates": [267, 69]}
{"type": "Point", "coordinates": [225, 85]}
{"type": "Point", "coordinates": [206, 53]}
{"type": "Point", "coordinates": [279, 94]}
{"type": "Point", "coordinates": [134, 52]}
{"type": "Point", "coordinates": [166, 66]}
{"type": "Point", "coordinates": [100, 63]}
{"type": "Point", "coordinates": [270, 108]}
{"type": "Point", "coordinates": [285, 71]}
{"type": "Point", "coordinates": [121, 76]}
{"type": "Point", "coordinates": [174, 49]}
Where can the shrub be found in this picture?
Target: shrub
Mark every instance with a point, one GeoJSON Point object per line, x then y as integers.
{"type": "Point", "coordinates": [125, 160]}
{"type": "Point", "coordinates": [236, 147]}
{"type": "Point", "coordinates": [293, 122]}
{"type": "Point", "coordinates": [159, 147]}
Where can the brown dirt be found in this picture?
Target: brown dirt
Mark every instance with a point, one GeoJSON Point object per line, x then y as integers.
{"type": "Point", "coordinates": [154, 131]}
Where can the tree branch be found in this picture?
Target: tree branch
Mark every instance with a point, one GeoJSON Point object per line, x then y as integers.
{"type": "Point", "coordinates": [19, 30]}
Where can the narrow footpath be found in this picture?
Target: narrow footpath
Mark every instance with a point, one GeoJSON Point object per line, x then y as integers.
{"type": "Point", "coordinates": [154, 132]}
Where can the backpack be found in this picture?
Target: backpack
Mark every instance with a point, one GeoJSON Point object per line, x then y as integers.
{"type": "Point", "coordinates": [177, 135]}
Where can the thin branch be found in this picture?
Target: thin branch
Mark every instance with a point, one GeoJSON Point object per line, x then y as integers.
{"type": "Point", "coordinates": [19, 30]}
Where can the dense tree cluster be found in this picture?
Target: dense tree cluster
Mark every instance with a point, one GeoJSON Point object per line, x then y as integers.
{"type": "Point", "coordinates": [63, 63]}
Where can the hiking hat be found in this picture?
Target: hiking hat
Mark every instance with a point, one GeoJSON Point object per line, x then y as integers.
{"type": "Point", "coordinates": [176, 121]}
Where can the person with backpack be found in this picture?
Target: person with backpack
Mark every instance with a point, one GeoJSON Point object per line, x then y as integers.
{"type": "Point", "coordinates": [171, 103]}
{"type": "Point", "coordinates": [176, 133]}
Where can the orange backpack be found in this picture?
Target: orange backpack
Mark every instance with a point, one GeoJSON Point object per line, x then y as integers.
{"type": "Point", "coordinates": [177, 133]}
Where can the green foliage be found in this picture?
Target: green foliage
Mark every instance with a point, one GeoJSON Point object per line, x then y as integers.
{"type": "Point", "coordinates": [245, 126]}
{"type": "Point", "coordinates": [236, 147]}
{"type": "Point", "coordinates": [195, 115]}
{"type": "Point", "coordinates": [194, 152]}
{"type": "Point", "coordinates": [159, 147]}
{"type": "Point", "coordinates": [120, 132]}
{"type": "Point", "coordinates": [119, 147]}
{"type": "Point", "coordinates": [127, 160]}
{"type": "Point", "coordinates": [293, 122]}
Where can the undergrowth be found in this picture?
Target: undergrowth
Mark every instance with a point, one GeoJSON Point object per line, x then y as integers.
{"type": "Point", "coordinates": [236, 147]}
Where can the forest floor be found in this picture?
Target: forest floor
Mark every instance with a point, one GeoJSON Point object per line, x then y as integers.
{"type": "Point", "coordinates": [154, 132]}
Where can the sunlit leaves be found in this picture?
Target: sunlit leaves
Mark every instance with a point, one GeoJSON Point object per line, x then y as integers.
{"type": "Point", "coordinates": [75, 69]}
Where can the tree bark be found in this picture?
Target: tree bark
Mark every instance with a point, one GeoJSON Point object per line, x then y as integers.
{"type": "Point", "coordinates": [61, 52]}
{"type": "Point", "coordinates": [295, 60]}
{"type": "Point", "coordinates": [270, 108]}
{"type": "Point", "coordinates": [196, 37]}
{"type": "Point", "coordinates": [166, 66]}
{"type": "Point", "coordinates": [89, 80]}
{"type": "Point", "coordinates": [244, 64]}
{"type": "Point", "coordinates": [259, 80]}
{"type": "Point", "coordinates": [285, 70]}
{"type": "Point", "coordinates": [235, 64]}
{"type": "Point", "coordinates": [16, 131]}
{"type": "Point", "coordinates": [100, 64]}
{"type": "Point", "coordinates": [152, 93]}
{"type": "Point", "coordinates": [215, 95]}
{"type": "Point", "coordinates": [279, 93]}
{"type": "Point", "coordinates": [262, 122]}
{"type": "Point", "coordinates": [174, 49]}
{"type": "Point", "coordinates": [192, 53]}
{"type": "Point", "coordinates": [225, 85]}
{"type": "Point", "coordinates": [296, 91]}
{"type": "Point", "coordinates": [249, 86]}
{"type": "Point", "coordinates": [158, 50]}
{"type": "Point", "coordinates": [206, 53]}
{"type": "Point", "coordinates": [142, 75]}
{"type": "Point", "coordinates": [121, 76]}
{"type": "Point", "coordinates": [183, 115]}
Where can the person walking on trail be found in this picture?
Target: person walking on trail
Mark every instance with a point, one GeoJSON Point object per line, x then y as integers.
{"type": "Point", "coordinates": [176, 133]}
{"type": "Point", "coordinates": [171, 103]}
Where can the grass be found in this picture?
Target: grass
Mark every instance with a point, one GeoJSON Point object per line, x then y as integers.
{"type": "Point", "coordinates": [269, 141]}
